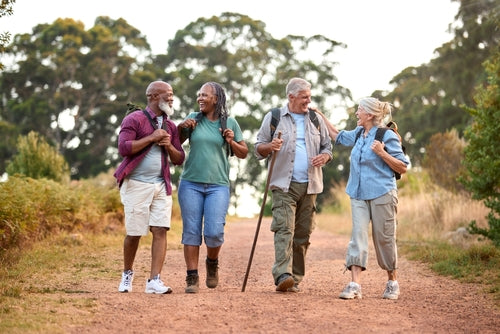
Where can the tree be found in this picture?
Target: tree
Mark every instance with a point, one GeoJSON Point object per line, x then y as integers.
{"type": "Point", "coordinates": [482, 155]}
{"type": "Point", "coordinates": [71, 85]}
{"type": "Point", "coordinates": [428, 97]}
{"type": "Point", "coordinates": [443, 159]}
{"type": "Point", "coordinates": [37, 159]}
{"type": "Point", "coordinates": [5, 10]}
{"type": "Point", "coordinates": [254, 68]}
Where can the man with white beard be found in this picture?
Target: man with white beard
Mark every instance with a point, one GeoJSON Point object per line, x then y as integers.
{"type": "Point", "coordinates": [148, 142]}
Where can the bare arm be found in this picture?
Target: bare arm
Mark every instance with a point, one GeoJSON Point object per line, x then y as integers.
{"type": "Point", "coordinates": [184, 128]}
{"type": "Point", "coordinates": [394, 163]}
{"type": "Point", "coordinates": [265, 149]}
{"type": "Point", "coordinates": [240, 148]}
{"type": "Point", "coordinates": [332, 131]}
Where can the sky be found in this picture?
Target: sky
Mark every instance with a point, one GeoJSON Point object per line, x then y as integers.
{"type": "Point", "coordinates": [383, 37]}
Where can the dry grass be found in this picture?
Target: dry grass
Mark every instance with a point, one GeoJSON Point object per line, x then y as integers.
{"type": "Point", "coordinates": [425, 212]}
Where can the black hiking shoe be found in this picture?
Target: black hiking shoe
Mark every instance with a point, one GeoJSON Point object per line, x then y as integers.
{"type": "Point", "coordinates": [212, 273]}
{"type": "Point", "coordinates": [192, 284]}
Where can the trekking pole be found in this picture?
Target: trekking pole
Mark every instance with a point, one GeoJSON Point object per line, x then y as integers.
{"type": "Point", "coordinates": [273, 158]}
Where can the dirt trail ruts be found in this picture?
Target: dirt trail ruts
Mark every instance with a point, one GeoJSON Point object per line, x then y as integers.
{"type": "Point", "coordinates": [428, 303]}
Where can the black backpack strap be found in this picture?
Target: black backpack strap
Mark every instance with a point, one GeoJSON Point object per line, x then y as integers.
{"type": "Point", "coordinates": [314, 118]}
{"type": "Point", "coordinates": [275, 119]}
{"type": "Point", "coordinates": [358, 134]}
{"type": "Point", "coordinates": [379, 135]}
{"type": "Point", "coordinates": [223, 125]}
{"type": "Point", "coordinates": [155, 126]}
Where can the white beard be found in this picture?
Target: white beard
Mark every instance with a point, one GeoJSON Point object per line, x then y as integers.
{"type": "Point", "coordinates": [166, 108]}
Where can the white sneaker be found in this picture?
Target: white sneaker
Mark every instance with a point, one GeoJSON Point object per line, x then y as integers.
{"type": "Point", "coordinates": [391, 290]}
{"type": "Point", "coordinates": [126, 283]}
{"type": "Point", "coordinates": [351, 291]}
{"type": "Point", "coordinates": [156, 285]}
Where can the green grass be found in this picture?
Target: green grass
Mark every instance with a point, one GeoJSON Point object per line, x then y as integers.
{"type": "Point", "coordinates": [480, 263]}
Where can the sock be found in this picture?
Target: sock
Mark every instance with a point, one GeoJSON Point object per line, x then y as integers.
{"type": "Point", "coordinates": [212, 261]}
{"type": "Point", "coordinates": [192, 272]}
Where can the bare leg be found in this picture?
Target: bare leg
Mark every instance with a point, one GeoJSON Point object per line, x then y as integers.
{"type": "Point", "coordinates": [191, 254]}
{"type": "Point", "coordinates": [392, 275]}
{"type": "Point", "coordinates": [356, 273]}
{"type": "Point", "coordinates": [130, 245]}
{"type": "Point", "coordinates": [158, 250]}
{"type": "Point", "coordinates": [213, 253]}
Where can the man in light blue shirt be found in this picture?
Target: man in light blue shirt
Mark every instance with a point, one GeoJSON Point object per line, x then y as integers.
{"type": "Point", "coordinates": [296, 179]}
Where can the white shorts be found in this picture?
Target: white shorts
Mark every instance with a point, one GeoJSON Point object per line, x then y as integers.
{"type": "Point", "coordinates": [145, 205]}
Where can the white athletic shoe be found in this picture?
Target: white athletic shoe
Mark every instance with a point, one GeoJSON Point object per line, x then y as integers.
{"type": "Point", "coordinates": [156, 285]}
{"type": "Point", "coordinates": [391, 290]}
{"type": "Point", "coordinates": [126, 283]}
{"type": "Point", "coordinates": [351, 291]}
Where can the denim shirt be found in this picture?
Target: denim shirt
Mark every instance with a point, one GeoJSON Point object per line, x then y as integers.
{"type": "Point", "coordinates": [369, 176]}
{"type": "Point", "coordinates": [317, 142]}
{"type": "Point", "coordinates": [136, 126]}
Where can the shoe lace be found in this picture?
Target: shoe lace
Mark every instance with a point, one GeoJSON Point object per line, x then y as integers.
{"type": "Point", "coordinates": [127, 279]}
{"type": "Point", "coordinates": [352, 288]}
{"type": "Point", "coordinates": [191, 280]}
{"type": "Point", "coordinates": [157, 280]}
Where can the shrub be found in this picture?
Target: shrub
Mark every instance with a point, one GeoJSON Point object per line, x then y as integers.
{"type": "Point", "coordinates": [482, 155]}
{"type": "Point", "coordinates": [37, 159]}
{"type": "Point", "coordinates": [443, 159]}
{"type": "Point", "coordinates": [31, 209]}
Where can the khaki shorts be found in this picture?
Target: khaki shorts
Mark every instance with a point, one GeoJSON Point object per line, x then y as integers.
{"type": "Point", "coordinates": [145, 205]}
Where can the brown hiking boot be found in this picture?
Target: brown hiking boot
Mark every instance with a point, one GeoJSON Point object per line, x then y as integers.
{"type": "Point", "coordinates": [285, 282]}
{"type": "Point", "coordinates": [192, 284]}
{"type": "Point", "coordinates": [212, 273]}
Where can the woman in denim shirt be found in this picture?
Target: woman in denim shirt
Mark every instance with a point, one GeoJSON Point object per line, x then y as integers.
{"type": "Point", "coordinates": [373, 192]}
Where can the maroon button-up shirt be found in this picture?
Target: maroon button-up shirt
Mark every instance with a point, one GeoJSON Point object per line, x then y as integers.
{"type": "Point", "coordinates": [136, 126]}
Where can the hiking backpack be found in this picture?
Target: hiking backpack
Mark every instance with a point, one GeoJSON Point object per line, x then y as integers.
{"type": "Point", "coordinates": [379, 135]}
{"type": "Point", "coordinates": [276, 115]}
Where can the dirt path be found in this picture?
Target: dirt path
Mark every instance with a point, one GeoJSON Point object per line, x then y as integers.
{"type": "Point", "coordinates": [428, 303]}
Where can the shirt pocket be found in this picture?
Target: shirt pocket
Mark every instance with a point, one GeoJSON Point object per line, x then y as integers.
{"type": "Point", "coordinates": [314, 137]}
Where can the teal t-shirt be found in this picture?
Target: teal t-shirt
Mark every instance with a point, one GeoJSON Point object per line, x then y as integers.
{"type": "Point", "coordinates": [207, 161]}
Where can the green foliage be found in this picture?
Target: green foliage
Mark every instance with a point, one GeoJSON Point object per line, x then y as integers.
{"type": "Point", "coordinates": [428, 97]}
{"type": "Point", "coordinates": [37, 159]}
{"type": "Point", "coordinates": [476, 264]}
{"type": "Point", "coordinates": [5, 9]}
{"type": "Point", "coordinates": [84, 76]}
{"type": "Point", "coordinates": [254, 67]}
{"type": "Point", "coordinates": [482, 155]}
{"type": "Point", "coordinates": [443, 159]}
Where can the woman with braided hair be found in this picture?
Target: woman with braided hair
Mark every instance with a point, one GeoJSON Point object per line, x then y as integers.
{"type": "Point", "coordinates": [204, 187]}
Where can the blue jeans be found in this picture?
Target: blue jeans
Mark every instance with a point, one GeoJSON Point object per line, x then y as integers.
{"type": "Point", "coordinates": [203, 204]}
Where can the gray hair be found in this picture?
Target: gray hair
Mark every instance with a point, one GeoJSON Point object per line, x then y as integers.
{"type": "Point", "coordinates": [380, 110]}
{"type": "Point", "coordinates": [295, 85]}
